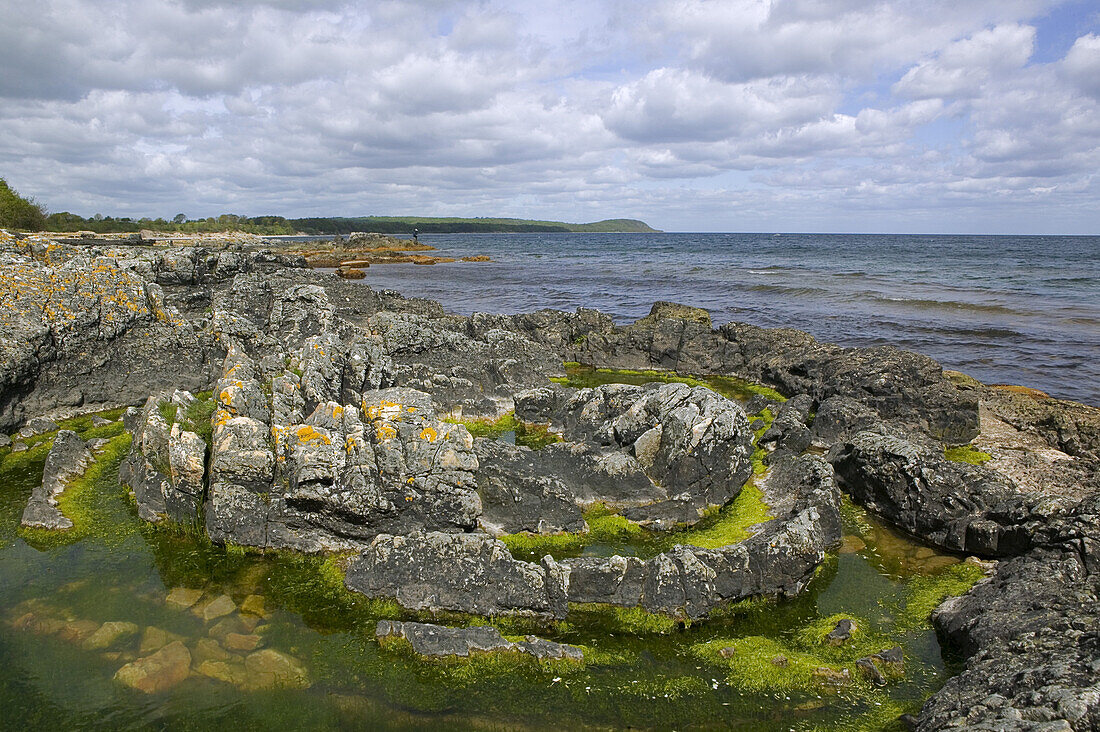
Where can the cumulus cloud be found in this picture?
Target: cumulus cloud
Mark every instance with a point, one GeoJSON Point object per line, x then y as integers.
{"type": "Point", "coordinates": [792, 114]}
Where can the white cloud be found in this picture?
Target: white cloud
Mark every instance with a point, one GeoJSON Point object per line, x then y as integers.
{"type": "Point", "coordinates": [688, 113]}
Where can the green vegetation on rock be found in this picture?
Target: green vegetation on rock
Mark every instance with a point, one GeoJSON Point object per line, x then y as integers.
{"type": "Point", "coordinates": [966, 454]}
{"type": "Point", "coordinates": [534, 436]}
{"type": "Point", "coordinates": [730, 524]}
{"type": "Point", "coordinates": [731, 387]}
{"type": "Point", "coordinates": [925, 593]}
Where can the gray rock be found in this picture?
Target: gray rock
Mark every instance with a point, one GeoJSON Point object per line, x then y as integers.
{"type": "Point", "coordinates": [439, 641]}
{"type": "Point", "coordinates": [841, 634]}
{"type": "Point", "coordinates": [69, 457]}
{"type": "Point", "coordinates": [38, 426]}
{"type": "Point", "coordinates": [1031, 636]}
{"type": "Point", "coordinates": [668, 450]}
{"type": "Point", "coordinates": [518, 495]}
{"type": "Point", "coordinates": [778, 560]}
{"type": "Point", "coordinates": [462, 572]}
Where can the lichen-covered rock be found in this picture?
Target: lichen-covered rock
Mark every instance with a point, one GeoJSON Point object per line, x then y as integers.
{"type": "Point", "coordinates": [437, 641]}
{"type": "Point", "coordinates": [68, 457]}
{"type": "Point", "coordinates": [464, 572]}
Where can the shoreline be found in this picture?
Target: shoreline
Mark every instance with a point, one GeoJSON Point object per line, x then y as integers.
{"type": "Point", "coordinates": [298, 360]}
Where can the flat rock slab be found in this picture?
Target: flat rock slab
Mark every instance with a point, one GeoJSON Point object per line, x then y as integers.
{"type": "Point", "coordinates": [109, 633]}
{"type": "Point", "coordinates": [158, 672]}
{"type": "Point", "coordinates": [221, 606]}
{"type": "Point", "coordinates": [439, 641]}
{"type": "Point", "coordinates": [182, 597]}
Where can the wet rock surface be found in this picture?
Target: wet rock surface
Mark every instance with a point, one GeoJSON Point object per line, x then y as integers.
{"type": "Point", "coordinates": [439, 641]}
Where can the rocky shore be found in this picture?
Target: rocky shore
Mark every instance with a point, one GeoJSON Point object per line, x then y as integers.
{"type": "Point", "coordinates": [277, 407]}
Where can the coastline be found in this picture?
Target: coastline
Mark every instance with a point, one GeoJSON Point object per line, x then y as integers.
{"type": "Point", "coordinates": [877, 424]}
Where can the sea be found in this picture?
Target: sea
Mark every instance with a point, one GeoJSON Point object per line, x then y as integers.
{"type": "Point", "coordinates": [1003, 309]}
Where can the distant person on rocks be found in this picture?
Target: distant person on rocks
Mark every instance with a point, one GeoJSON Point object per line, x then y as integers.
{"type": "Point", "coordinates": [416, 235]}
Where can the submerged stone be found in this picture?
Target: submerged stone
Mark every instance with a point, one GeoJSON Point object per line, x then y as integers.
{"type": "Point", "coordinates": [109, 633]}
{"type": "Point", "coordinates": [220, 606]}
{"type": "Point", "coordinates": [273, 669]}
{"type": "Point", "coordinates": [439, 641]}
{"type": "Point", "coordinates": [155, 638]}
{"type": "Point", "coordinates": [182, 598]}
{"type": "Point", "coordinates": [159, 671]}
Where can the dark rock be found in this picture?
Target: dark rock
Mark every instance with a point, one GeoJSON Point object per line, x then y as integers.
{"type": "Point", "coordinates": [839, 417]}
{"type": "Point", "coordinates": [957, 506]}
{"type": "Point", "coordinates": [870, 671]}
{"type": "Point", "coordinates": [439, 641]}
{"type": "Point", "coordinates": [898, 385]}
{"type": "Point", "coordinates": [841, 634]}
{"type": "Point", "coordinates": [788, 430]}
{"type": "Point", "coordinates": [1031, 636]}
{"type": "Point", "coordinates": [518, 495]}
{"type": "Point", "coordinates": [68, 458]}
{"type": "Point", "coordinates": [463, 572]}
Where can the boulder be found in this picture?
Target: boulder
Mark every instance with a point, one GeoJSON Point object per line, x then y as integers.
{"type": "Point", "coordinates": [953, 505]}
{"type": "Point", "coordinates": [518, 495]}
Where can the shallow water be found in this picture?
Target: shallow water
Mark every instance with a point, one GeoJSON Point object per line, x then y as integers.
{"type": "Point", "coordinates": [1004, 309]}
{"type": "Point", "coordinates": [123, 568]}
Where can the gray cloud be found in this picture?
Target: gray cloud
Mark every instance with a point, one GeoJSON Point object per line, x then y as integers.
{"type": "Point", "coordinates": [811, 114]}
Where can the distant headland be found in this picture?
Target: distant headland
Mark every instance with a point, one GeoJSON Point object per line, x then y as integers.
{"type": "Point", "coordinates": [18, 212]}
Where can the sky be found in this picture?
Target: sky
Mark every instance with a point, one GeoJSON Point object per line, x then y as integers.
{"type": "Point", "coordinates": [921, 116]}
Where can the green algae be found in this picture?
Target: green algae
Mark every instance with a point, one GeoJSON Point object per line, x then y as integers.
{"type": "Point", "coordinates": [81, 502]}
{"type": "Point", "coordinates": [641, 669]}
{"type": "Point", "coordinates": [926, 592]}
{"type": "Point", "coordinates": [731, 387]}
{"type": "Point", "coordinates": [730, 524]}
{"type": "Point", "coordinates": [534, 436]}
{"type": "Point", "coordinates": [604, 527]}
{"type": "Point", "coordinates": [630, 620]}
{"type": "Point", "coordinates": [966, 454]}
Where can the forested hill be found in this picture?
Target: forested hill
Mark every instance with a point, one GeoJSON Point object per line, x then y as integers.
{"type": "Point", "coordinates": [435, 225]}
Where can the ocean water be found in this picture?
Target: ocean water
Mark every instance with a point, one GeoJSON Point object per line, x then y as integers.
{"type": "Point", "coordinates": [1003, 309]}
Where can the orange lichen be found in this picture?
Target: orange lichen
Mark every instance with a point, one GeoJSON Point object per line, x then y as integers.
{"type": "Point", "coordinates": [307, 434]}
{"type": "Point", "coordinates": [428, 434]}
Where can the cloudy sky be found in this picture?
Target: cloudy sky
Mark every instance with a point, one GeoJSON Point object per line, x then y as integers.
{"type": "Point", "coordinates": [693, 115]}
